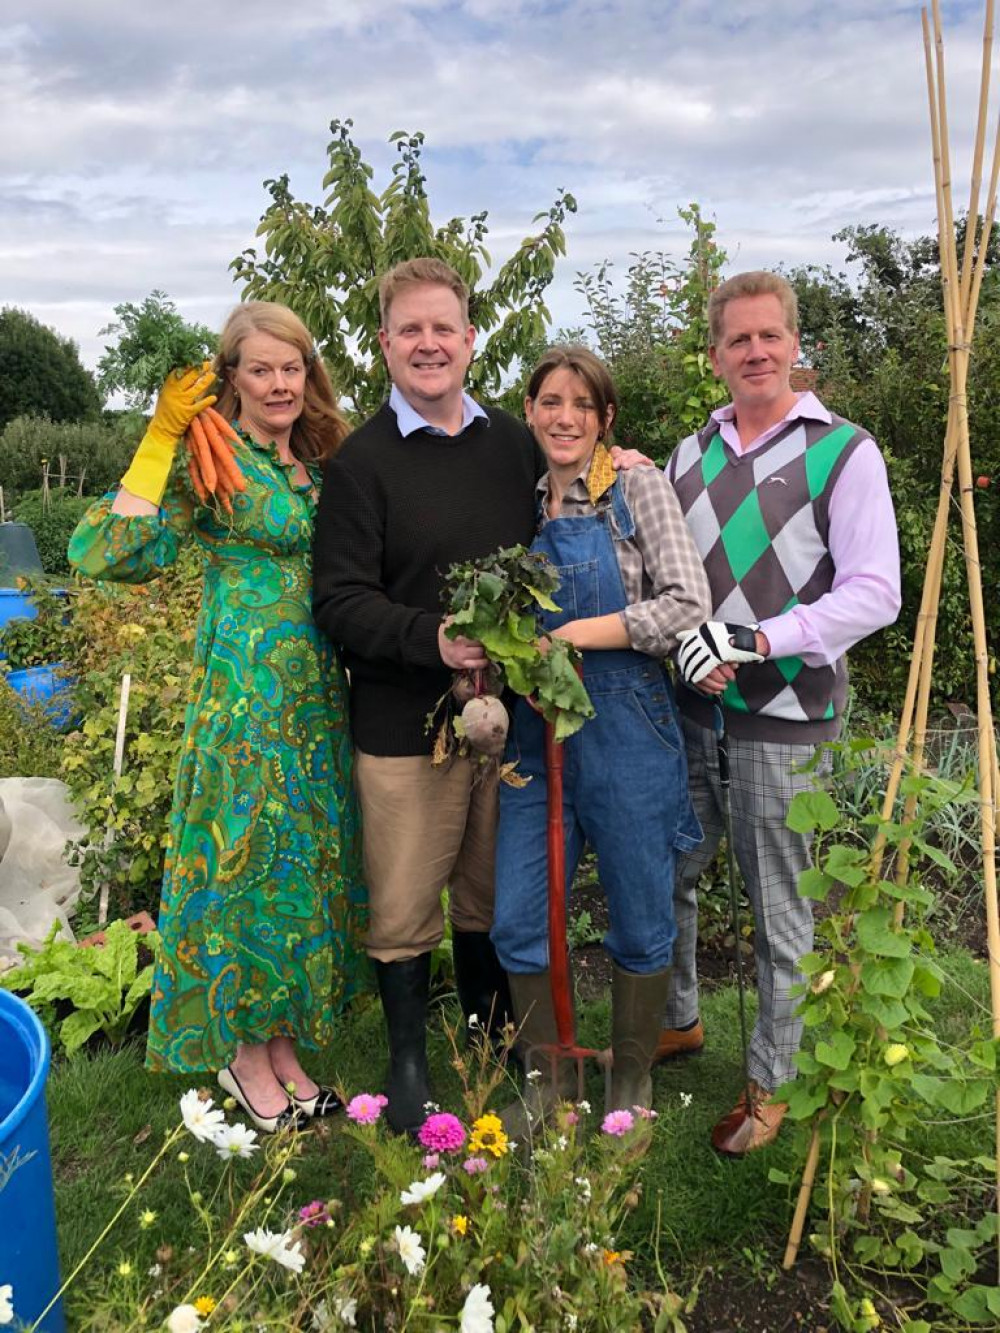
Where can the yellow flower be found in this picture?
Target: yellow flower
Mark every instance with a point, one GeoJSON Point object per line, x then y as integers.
{"type": "Point", "coordinates": [895, 1054]}
{"type": "Point", "coordinates": [205, 1304]}
{"type": "Point", "coordinates": [460, 1224]}
{"type": "Point", "coordinates": [488, 1136]}
{"type": "Point", "coordinates": [612, 1257]}
{"type": "Point", "coordinates": [124, 1268]}
{"type": "Point", "coordinates": [147, 1219]}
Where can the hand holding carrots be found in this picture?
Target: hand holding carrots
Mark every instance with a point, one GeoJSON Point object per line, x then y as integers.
{"type": "Point", "coordinates": [211, 466]}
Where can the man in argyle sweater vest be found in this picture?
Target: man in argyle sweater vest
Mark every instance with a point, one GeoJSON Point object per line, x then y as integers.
{"type": "Point", "coordinates": [790, 509]}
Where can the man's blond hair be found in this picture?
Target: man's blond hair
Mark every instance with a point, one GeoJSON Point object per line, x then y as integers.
{"type": "Point", "coordinates": [416, 273]}
{"type": "Point", "coordinates": [758, 282]}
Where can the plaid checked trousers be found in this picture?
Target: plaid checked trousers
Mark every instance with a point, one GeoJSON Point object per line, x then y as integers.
{"type": "Point", "coordinates": [770, 857]}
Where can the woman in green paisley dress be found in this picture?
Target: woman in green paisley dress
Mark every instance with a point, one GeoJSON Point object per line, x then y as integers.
{"type": "Point", "coordinates": [262, 903]}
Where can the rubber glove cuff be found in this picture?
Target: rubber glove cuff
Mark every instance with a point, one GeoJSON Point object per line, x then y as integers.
{"type": "Point", "coordinates": [149, 470]}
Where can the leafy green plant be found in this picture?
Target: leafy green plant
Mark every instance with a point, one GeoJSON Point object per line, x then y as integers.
{"type": "Point", "coordinates": [877, 1068]}
{"type": "Point", "coordinates": [152, 341]}
{"type": "Point", "coordinates": [147, 631]}
{"type": "Point", "coordinates": [325, 261]}
{"type": "Point", "coordinates": [30, 747]}
{"type": "Point", "coordinates": [495, 601]}
{"type": "Point", "coordinates": [581, 931]}
{"type": "Point", "coordinates": [104, 984]}
{"type": "Point", "coordinates": [47, 638]}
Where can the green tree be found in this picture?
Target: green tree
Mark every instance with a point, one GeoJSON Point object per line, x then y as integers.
{"type": "Point", "coordinates": [325, 261]}
{"type": "Point", "coordinates": [41, 372]}
{"type": "Point", "coordinates": [654, 337]}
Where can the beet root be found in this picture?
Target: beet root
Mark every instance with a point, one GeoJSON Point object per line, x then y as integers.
{"type": "Point", "coordinates": [465, 684]}
{"type": "Point", "coordinates": [485, 723]}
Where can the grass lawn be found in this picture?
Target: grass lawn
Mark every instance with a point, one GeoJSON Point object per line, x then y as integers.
{"type": "Point", "coordinates": [108, 1116]}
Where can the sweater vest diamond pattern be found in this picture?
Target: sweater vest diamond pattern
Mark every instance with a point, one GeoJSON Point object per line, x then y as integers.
{"type": "Point", "coordinates": [761, 523]}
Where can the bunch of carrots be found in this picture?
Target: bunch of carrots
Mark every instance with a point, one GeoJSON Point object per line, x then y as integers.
{"type": "Point", "coordinates": [211, 466]}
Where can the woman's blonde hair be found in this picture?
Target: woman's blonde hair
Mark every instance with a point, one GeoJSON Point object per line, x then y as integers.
{"type": "Point", "coordinates": [319, 431]}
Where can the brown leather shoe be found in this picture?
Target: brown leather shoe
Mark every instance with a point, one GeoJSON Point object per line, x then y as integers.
{"type": "Point", "coordinates": [674, 1042]}
{"type": "Point", "coordinates": [745, 1130]}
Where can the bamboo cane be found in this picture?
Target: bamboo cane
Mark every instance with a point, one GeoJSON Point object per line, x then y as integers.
{"type": "Point", "coordinates": [960, 296]}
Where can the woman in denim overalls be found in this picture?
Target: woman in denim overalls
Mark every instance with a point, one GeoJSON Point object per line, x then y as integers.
{"type": "Point", "coordinates": [631, 581]}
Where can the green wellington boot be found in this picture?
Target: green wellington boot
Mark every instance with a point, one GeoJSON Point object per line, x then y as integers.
{"type": "Point", "coordinates": [531, 994]}
{"type": "Point", "coordinates": [637, 1004]}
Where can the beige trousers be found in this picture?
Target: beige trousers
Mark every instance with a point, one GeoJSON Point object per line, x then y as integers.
{"type": "Point", "coordinates": [425, 829]}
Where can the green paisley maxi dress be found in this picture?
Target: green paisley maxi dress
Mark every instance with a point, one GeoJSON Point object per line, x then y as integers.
{"type": "Point", "coordinates": [262, 906]}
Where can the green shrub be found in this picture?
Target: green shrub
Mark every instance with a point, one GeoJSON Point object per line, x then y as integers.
{"type": "Point", "coordinates": [52, 517]}
{"type": "Point", "coordinates": [30, 747]}
{"type": "Point", "coordinates": [88, 457]}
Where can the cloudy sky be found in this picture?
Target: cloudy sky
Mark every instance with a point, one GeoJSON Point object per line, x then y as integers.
{"type": "Point", "coordinates": [137, 133]}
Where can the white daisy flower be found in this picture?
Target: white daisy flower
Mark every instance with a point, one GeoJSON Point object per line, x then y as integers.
{"type": "Point", "coordinates": [184, 1319]}
{"type": "Point", "coordinates": [422, 1189]}
{"type": "Point", "coordinates": [6, 1304]}
{"type": "Point", "coordinates": [410, 1250]}
{"type": "Point", "coordinates": [237, 1140]}
{"type": "Point", "coordinates": [276, 1245]}
{"type": "Point", "coordinates": [199, 1117]}
{"type": "Point", "coordinates": [346, 1310]}
{"type": "Point", "coordinates": [477, 1312]}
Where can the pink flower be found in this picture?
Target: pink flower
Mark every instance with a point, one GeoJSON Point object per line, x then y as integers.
{"type": "Point", "coordinates": [644, 1113]}
{"type": "Point", "coordinates": [365, 1109]}
{"type": "Point", "coordinates": [442, 1132]}
{"type": "Point", "coordinates": [617, 1123]}
{"type": "Point", "coordinates": [314, 1214]}
{"type": "Point", "coordinates": [431, 1161]}
{"type": "Point", "coordinates": [571, 1118]}
{"type": "Point", "coordinates": [475, 1165]}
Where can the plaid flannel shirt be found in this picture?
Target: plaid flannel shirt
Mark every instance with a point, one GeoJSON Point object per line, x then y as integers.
{"type": "Point", "coordinates": [664, 579]}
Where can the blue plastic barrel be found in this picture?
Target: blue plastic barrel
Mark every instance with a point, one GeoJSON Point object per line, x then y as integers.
{"type": "Point", "coordinates": [15, 604]}
{"type": "Point", "coordinates": [51, 687]}
{"type": "Point", "coordinates": [29, 1259]}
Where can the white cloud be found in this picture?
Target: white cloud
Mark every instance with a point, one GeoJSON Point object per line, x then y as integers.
{"type": "Point", "coordinates": [139, 134]}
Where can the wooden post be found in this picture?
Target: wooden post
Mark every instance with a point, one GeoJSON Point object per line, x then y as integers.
{"type": "Point", "coordinates": [118, 763]}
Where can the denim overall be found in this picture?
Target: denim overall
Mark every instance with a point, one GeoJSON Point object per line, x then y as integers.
{"type": "Point", "coordinates": [625, 788]}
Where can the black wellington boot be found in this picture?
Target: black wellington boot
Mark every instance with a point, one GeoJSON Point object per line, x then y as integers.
{"type": "Point", "coordinates": [481, 983]}
{"type": "Point", "coordinates": [404, 987]}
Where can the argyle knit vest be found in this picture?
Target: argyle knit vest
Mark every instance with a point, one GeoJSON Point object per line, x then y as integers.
{"type": "Point", "coordinates": [761, 522]}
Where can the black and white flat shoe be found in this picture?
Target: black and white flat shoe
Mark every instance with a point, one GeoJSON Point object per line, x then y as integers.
{"type": "Point", "coordinates": [292, 1117]}
{"type": "Point", "coordinates": [323, 1102]}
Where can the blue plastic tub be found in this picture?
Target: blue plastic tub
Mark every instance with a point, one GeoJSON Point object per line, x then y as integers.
{"type": "Point", "coordinates": [47, 685]}
{"type": "Point", "coordinates": [15, 604]}
{"type": "Point", "coordinates": [29, 1259]}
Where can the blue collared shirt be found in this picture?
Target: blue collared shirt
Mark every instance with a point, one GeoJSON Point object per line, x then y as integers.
{"type": "Point", "coordinates": [408, 419]}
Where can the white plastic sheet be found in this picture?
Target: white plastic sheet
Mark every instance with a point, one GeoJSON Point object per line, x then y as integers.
{"type": "Point", "coordinates": [37, 885]}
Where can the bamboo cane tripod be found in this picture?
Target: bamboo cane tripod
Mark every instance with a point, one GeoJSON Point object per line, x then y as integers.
{"type": "Point", "coordinates": [960, 292]}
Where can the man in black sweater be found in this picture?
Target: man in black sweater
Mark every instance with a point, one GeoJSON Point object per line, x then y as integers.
{"type": "Point", "coordinates": [431, 479]}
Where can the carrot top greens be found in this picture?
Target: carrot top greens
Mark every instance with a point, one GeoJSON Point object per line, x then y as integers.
{"type": "Point", "coordinates": [152, 341]}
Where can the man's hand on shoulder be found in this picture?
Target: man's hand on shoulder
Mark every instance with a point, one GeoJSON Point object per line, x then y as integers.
{"type": "Point", "coordinates": [703, 652]}
{"type": "Point", "coordinates": [624, 459]}
{"type": "Point", "coordinates": [460, 654]}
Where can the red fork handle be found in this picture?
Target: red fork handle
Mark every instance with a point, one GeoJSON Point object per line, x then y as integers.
{"type": "Point", "coordinates": [562, 1000]}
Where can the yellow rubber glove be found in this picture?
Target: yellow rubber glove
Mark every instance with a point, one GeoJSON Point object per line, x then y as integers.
{"type": "Point", "coordinates": [180, 400]}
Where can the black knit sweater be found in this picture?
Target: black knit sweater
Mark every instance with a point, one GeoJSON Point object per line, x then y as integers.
{"type": "Point", "coordinates": [394, 513]}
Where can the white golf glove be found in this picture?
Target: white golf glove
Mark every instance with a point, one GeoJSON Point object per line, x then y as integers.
{"type": "Point", "coordinates": [703, 649]}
